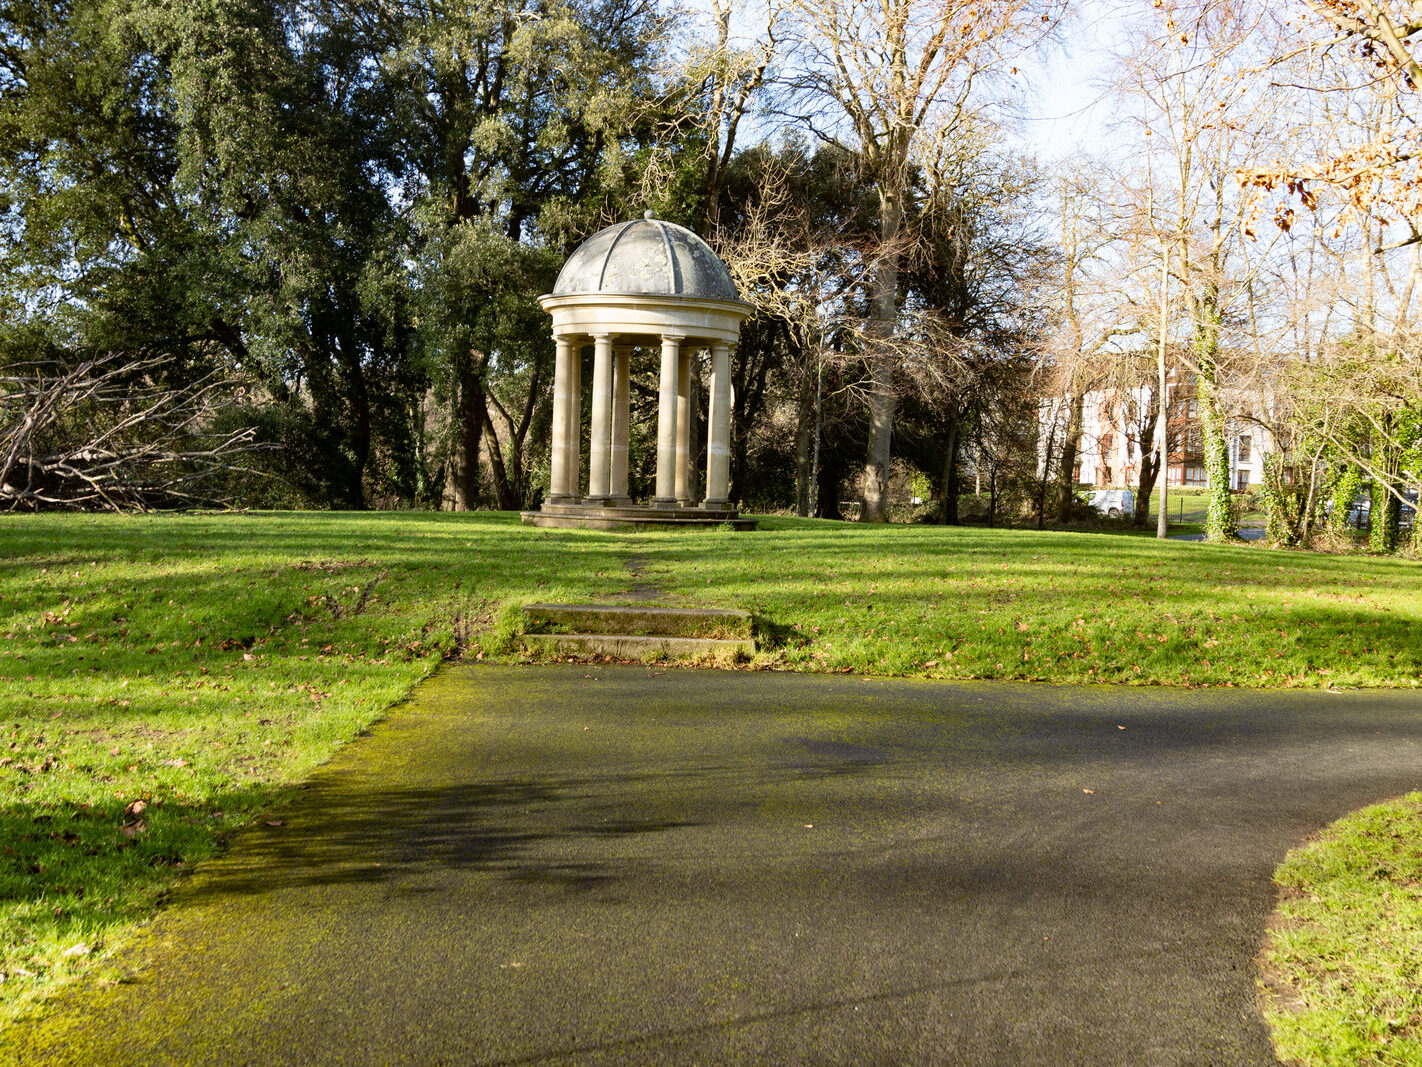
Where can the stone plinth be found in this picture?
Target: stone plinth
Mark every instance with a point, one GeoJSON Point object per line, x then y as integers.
{"type": "Point", "coordinates": [634, 517]}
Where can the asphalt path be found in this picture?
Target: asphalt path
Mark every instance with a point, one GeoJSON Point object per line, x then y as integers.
{"type": "Point", "coordinates": [579, 865]}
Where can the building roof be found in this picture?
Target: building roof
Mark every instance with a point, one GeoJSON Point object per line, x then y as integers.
{"type": "Point", "coordinates": [646, 256]}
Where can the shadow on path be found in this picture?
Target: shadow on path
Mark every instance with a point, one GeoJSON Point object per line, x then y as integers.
{"type": "Point", "coordinates": [618, 865]}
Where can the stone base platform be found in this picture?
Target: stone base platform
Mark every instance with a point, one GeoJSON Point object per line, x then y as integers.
{"type": "Point", "coordinates": [634, 517]}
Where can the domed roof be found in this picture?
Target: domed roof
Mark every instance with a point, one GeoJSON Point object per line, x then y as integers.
{"type": "Point", "coordinates": [646, 256]}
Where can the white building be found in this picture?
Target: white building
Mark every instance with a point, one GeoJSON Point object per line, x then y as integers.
{"type": "Point", "coordinates": [1115, 426]}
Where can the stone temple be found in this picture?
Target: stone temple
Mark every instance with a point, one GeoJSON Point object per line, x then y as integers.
{"type": "Point", "coordinates": [641, 284]}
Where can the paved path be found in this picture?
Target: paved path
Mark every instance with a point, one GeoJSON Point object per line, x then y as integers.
{"type": "Point", "coordinates": [588, 866]}
{"type": "Point", "coordinates": [1246, 533]}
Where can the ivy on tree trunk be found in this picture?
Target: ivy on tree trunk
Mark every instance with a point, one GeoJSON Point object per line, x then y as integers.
{"type": "Point", "coordinates": [1219, 517]}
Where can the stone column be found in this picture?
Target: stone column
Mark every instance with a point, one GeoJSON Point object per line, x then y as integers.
{"type": "Point", "coordinates": [600, 448]}
{"type": "Point", "coordinates": [558, 490]}
{"type": "Point", "coordinates": [718, 435]}
{"type": "Point", "coordinates": [684, 478]}
{"type": "Point", "coordinates": [621, 420]}
{"type": "Point", "coordinates": [573, 423]}
{"type": "Point", "coordinates": [666, 422]}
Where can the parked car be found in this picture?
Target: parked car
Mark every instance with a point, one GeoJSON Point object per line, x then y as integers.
{"type": "Point", "coordinates": [1361, 513]}
{"type": "Point", "coordinates": [1116, 503]}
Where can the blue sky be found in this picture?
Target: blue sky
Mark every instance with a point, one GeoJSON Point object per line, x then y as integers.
{"type": "Point", "coordinates": [1068, 107]}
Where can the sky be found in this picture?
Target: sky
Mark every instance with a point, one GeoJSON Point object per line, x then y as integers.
{"type": "Point", "coordinates": [1068, 106]}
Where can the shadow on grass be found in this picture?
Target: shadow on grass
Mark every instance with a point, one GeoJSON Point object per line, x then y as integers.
{"type": "Point", "coordinates": [771, 635]}
{"type": "Point", "coordinates": [72, 872]}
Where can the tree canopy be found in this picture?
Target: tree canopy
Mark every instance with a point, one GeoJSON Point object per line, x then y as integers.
{"type": "Point", "coordinates": [337, 216]}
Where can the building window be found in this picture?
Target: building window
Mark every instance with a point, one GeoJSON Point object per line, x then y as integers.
{"type": "Point", "coordinates": [1192, 408]}
{"type": "Point", "coordinates": [1108, 442]}
{"type": "Point", "coordinates": [1195, 476]}
{"type": "Point", "coordinates": [1244, 448]}
{"type": "Point", "coordinates": [1194, 440]}
{"type": "Point", "coordinates": [1241, 479]}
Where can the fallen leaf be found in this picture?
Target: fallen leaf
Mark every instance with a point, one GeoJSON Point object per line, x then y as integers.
{"type": "Point", "coordinates": [931, 663]}
{"type": "Point", "coordinates": [273, 822]}
{"type": "Point", "coordinates": [175, 763]}
{"type": "Point", "coordinates": [1089, 791]}
{"type": "Point", "coordinates": [136, 808]}
{"type": "Point", "coordinates": [80, 949]}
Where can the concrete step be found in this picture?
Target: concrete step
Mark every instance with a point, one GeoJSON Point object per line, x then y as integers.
{"type": "Point", "coordinates": [631, 632]}
{"type": "Point", "coordinates": [642, 621]}
{"type": "Point", "coordinates": [640, 646]}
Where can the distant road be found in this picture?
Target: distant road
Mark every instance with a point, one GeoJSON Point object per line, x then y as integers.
{"type": "Point", "coordinates": [1246, 533]}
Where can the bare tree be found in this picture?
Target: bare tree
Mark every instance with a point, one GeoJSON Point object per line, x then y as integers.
{"type": "Point", "coordinates": [1343, 388]}
{"type": "Point", "coordinates": [794, 270]}
{"type": "Point", "coordinates": [888, 80]}
{"type": "Point", "coordinates": [1201, 117]}
{"type": "Point", "coordinates": [1378, 172]}
{"type": "Point", "coordinates": [108, 434]}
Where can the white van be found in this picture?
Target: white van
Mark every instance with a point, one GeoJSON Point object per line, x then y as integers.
{"type": "Point", "coordinates": [1117, 503]}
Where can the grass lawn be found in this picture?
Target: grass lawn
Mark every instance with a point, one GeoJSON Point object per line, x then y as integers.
{"type": "Point", "coordinates": [1061, 607]}
{"type": "Point", "coordinates": [165, 680]}
{"type": "Point", "coordinates": [1188, 505]}
{"type": "Point", "coordinates": [1344, 955]}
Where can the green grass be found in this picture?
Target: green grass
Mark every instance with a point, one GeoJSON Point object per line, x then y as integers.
{"type": "Point", "coordinates": [166, 680]}
{"type": "Point", "coordinates": [1187, 506]}
{"type": "Point", "coordinates": [1343, 961]}
{"type": "Point", "coordinates": [1061, 607]}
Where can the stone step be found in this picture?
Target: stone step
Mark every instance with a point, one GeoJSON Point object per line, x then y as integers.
{"type": "Point", "coordinates": [631, 519]}
{"type": "Point", "coordinates": [640, 646]}
{"type": "Point", "coordinates": [716, 623]}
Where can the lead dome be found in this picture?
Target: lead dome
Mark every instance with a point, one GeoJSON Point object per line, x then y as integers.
{"type": "Point", "coordinates": [646, 256]}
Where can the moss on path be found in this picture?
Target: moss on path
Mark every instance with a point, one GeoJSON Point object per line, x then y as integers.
{"type": "Point", "coordinates": [625, 865]}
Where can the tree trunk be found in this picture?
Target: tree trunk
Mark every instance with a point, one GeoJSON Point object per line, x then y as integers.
{"type": "Point", "coordinates": [1147, 430]}
{"type": "Point", "coordinates": [504, 495]}
{"type": "Point", "coordinates": [1219, 521]}
{"type": "Point", "coordinates": [884, 313]}
{"type": "Point", "coordinates": [949, 484]}
{"type": "Point", "coordinates": [1145, 485]}
{"type": "Point", "coordinates": [1386, 513]}
{"type": "Point", "coordinates": [1066, 474]}
{"type": "Point", "coordinates": [360, 435]}
{"type": "Point", "coordinates": [804, 441]}
{"type": "Point", "coordinates": [461, 492]}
